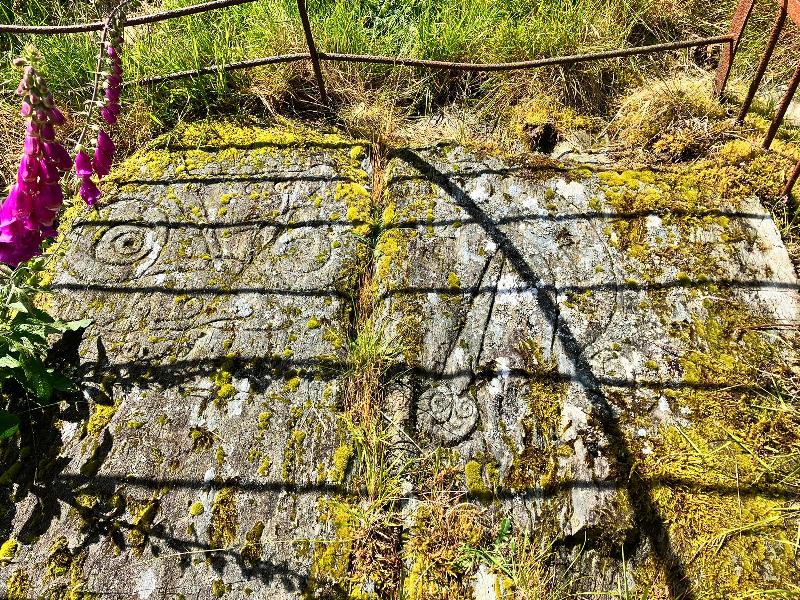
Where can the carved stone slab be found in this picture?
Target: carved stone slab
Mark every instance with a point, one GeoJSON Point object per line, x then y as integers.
{"type": "Point", "coordinates": [556, 325]}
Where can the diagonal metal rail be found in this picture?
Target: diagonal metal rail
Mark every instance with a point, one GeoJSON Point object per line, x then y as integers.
{"type": "Point", "coordinates": [312, 51]}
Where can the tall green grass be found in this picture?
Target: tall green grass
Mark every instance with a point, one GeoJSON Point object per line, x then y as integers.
{"type": "Point", "coordinates": [469, 30]}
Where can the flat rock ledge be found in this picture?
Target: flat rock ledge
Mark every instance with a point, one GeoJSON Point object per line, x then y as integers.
{"type": "Point", "coordinates": [320, 371]}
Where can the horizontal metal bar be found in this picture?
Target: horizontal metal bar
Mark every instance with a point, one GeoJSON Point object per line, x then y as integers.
{"type": "Point", "coordinates": [142, 20]}
{"type": "Point", "coordinates": [437, 64]}
{"type": "Point", "coordinates": [525, 64]}
{"type": "Point", "coordinates": [245, 64]}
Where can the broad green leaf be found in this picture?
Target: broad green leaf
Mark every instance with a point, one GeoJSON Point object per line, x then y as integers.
{"type": "Point", "coordinates": [37, 379]}
{"type": "Point", "coordinates": [9, 362]}
{"type": "Point", "coordinates": [38, 314]}
{"type": "Point", "coordinates": [9, 424]}
{"type": "Point", "coordinates": [35, 330]}
{"type": "Point", "coordinates": [76, 325]}
{"type": "Point", "coordinates": [21, 344]}
{"type": "Point", "coordinates": [18, 306]}
{"type": "Point", "coordinates": [61, 382]}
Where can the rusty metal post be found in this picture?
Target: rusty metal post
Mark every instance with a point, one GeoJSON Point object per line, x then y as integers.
{"type": "Point", "coordinates": [787, 189]}
{"type": "Point", "coordinates": [782, 108]}
{"type": "Point", "coordinates": [312, 50]}
{"type": "Point", "coordinates": [738, 24]}
{"type": "Point", "coordinates": [780, 19]}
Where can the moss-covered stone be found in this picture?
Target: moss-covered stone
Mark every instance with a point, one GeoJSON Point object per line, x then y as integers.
{"type": "Point", "coordinates": [253, 549]}
{"type": "Point", "coordinates": [341, 462]}
{"type": "Point", "coordinates": [8, 550]}
{"type": "Point", "coordinates": [18, 585]}
{"type": "Point", "coordinates": [224, 519]}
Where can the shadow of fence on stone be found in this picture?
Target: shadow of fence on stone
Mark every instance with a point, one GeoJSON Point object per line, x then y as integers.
{"type": "Point", "coordinates": [64, 487]}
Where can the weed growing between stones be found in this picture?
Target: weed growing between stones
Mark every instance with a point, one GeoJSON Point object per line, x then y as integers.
{"type": "Point", "coordinates": [522, 566]}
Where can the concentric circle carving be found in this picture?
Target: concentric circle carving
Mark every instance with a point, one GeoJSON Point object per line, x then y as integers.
{"type": "Point", "coordinates": [123, 245]}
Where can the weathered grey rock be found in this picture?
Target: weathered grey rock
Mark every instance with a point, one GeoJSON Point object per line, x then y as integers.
{"type": "Point", "coordinates": [551, 336]}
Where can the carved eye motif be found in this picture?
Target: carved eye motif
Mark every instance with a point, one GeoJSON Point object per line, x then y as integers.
{"type": "Point", "coordinates": [448, 415]}
{"type": "Point", "coordinates": [123, 242]}
{"type": "Point", "coordinates": [124, 245]}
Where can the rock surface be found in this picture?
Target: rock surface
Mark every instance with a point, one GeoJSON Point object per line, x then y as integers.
{"type": "Point", "coordinates": [565, 339]}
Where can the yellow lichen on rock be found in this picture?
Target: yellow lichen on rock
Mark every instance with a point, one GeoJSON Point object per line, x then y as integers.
{"type": "Point", "coordinates": [18, 585]}
{"type": "Point", "coordinates": [8, 550]}
{"type": "Point", "coordinates": [224, 519]}
{"type": "Point", "coordinates": [341, 462]}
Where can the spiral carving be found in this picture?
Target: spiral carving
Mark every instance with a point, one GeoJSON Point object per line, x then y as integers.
{"type": "Point", "coordinates": [123, 245]}
{"type": "Point", "coordinates": [448, 415]}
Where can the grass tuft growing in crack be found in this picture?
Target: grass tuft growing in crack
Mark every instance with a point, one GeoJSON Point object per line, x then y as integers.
{"type": "Point", "coordinates": [371, 356]}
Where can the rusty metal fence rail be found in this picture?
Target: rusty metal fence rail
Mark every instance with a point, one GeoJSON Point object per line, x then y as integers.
{"type": "Point", "coordinates": [729, 42]}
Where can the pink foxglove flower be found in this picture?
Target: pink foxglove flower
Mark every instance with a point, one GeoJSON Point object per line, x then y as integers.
{"type": "Point", "coordinates": [112, 94]}
{"type": "Point", "coordinates": [104, 142]}
{"type": "Point", "coordinates": [113, 83]}
{"type": "Point", "coordinates": [56, 154]}
{"type": "Point", "coordinates": [31, 147]}
{"type": "Point", "coordinates": [48, 132]}
{"type": "Point", "coordinates": [48, 173]}
{"type": "Point", "coordinates": [89, 191]}
{"type": "Point", "coordinates": [28, 169]}
{"type": "Point", "coordinates": [108, 115]}
{"type": "Point", "coordinates": [100, 164]}
{"type": "Point", "coordinates": [28, 214]}
{"type": "Point", "coordinates": [56, 117]}
{"type": "Point", "coordinates": [83, 164]}
{"type": "Point", "coordinates": [51, 197]}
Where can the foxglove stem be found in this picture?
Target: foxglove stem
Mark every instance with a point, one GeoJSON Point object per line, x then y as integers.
{"type": "Point", "coordinates": [108, 75]}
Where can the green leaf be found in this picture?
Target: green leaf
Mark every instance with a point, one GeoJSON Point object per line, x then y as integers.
{"type": "Point", "coordinates": [76, 325]}
{"type": "Point", "coordinates": [9, 362]}
{"type": "Point", "coordinates": [505, 530]}
{"type": "Point", "coordinates": [17, 306]}
{"type": "Point", "coordinates": [9, 424]}
{"type": "Point", "coordinates": [21, 343]}
{"type": "Point", "coordinates": [33, 330]}
{"type": "Point", "coordinates": [62, 383]}
{"type": "Point", "coordinates": [37, 379]}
